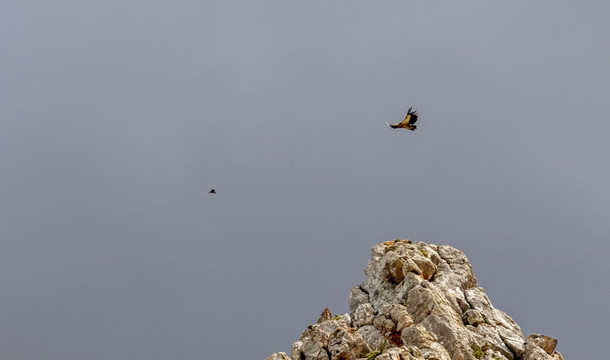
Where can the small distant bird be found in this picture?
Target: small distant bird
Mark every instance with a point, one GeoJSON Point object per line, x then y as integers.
{"type": "Point", "coordinates": [212, 191]}
{"type": "Point", "coordinates": [408, 122]}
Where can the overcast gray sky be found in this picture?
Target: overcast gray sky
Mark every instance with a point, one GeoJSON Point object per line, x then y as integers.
{"type": "Point", "coordinates": [117, 117]}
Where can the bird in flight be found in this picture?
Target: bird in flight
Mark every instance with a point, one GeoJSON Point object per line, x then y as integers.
{"type": "Point", "coordinates": [408, 122]}
{"type": "Point", "coordinates": [212, 191]}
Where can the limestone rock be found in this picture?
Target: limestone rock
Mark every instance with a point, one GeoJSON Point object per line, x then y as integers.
{"type": "Point", "coordinates": [330, 339]}
{"type": "Point", "coordinates": [473, 317]}
{"type": "Point", "coordinates": [325, 316]}
{"type": "Point", "coordinates": [533, 352]}
{"type": "Point", "coordinates": [419, 302]}
{"type": "Point", "coordinates": [547, 343]}
{"type": "Point", "coordinates": [278, 356]}
{"type": "Point", "coordinates": [541, 347]}
{"type": "Point", "coordinates": [372, 336]}
{"type": "Point", "coordinates": [347, 343]}
{"type": "Point", "coordinates": [357, 297]}
{"type": "Point", "coordinates": [364, 315]}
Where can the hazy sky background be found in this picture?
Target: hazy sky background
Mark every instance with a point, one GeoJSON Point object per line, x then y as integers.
{"type": "Point", "coordinates": [117, 117]}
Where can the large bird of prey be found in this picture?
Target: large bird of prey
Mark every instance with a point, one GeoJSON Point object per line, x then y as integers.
{"type": "Point", "coordinates": [408, 122]}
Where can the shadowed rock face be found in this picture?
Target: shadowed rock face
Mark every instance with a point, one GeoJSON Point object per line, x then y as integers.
{"type": "Point", "coordinates": [418, 302]}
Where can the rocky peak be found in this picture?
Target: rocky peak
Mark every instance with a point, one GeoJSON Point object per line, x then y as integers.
{"type": "Point", "coordinates": [419, 301]}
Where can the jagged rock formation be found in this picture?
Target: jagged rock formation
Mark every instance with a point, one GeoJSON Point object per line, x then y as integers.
{"type": "Point", "coordinates": [419, 302]}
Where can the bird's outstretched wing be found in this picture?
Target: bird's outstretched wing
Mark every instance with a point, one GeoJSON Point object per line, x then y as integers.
{"type": "Point", "coordinates": [411, 116]}
{"type": "Point", "coordinates": [408, 121]}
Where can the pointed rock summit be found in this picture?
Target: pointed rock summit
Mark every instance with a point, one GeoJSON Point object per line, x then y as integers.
{"type": "Point", "coordinates": [419, 302]}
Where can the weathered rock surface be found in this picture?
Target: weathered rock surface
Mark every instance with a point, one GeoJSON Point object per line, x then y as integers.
{"type": "Point", "coordinates": [419, 302]}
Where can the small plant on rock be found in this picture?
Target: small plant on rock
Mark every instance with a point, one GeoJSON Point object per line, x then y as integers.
{"type": "Point", "coordinates": [478, 352]}
{"type": "Point", "coordinates": [373, 354]}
